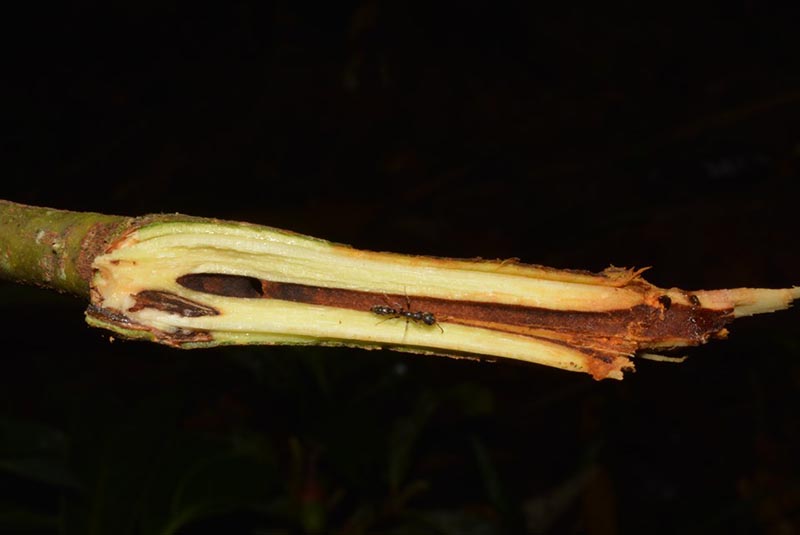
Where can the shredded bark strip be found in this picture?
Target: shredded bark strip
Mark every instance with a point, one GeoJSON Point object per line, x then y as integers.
{"type": "Point", "coordinates": [170, 303]}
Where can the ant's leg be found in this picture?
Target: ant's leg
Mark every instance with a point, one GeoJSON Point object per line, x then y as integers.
{"type": "Point", "coordinates": [387, 319]}
{"type": "Point", "coordinates": [396, 306]}
{"type": "Point", "coordinates": [408, 309]}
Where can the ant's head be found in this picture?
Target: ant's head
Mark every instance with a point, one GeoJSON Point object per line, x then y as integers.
{"type": "Point", "coordinates": [428, 318]}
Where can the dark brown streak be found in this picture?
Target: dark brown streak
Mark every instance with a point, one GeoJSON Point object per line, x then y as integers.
{"type": "Point", "coordinates": [171, 303]}
{"type": "Point", "coordinates": [644, 323]}
{"type": "Point", "coordinates": [108, 315]}
{"type": "Point", "coordinates": [226, 285]}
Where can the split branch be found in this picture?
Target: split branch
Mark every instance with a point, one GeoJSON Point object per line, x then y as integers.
{"type": "Point", "coordinates": [192, 282]}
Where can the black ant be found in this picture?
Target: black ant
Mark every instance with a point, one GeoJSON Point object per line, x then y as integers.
{"type": "Point", "coordinates": [427, 318]}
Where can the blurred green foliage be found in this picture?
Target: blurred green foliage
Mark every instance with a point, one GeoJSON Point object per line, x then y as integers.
{"type": "Point", "coordinates": [295, 450]}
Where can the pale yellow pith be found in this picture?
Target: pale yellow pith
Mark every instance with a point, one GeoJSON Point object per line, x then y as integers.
{"type": "Point", "coordinates": [154, 258]}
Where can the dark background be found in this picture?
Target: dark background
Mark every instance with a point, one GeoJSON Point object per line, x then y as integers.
{"type": "Point", "coordinates": [566, 136]}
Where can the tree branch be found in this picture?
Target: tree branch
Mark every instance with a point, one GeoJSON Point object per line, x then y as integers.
{"type": "Point", "coordinates": [191, 282]}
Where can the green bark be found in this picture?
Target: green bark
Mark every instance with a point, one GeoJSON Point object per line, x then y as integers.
{"type": "Point", "coordinates": [51, 248]}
